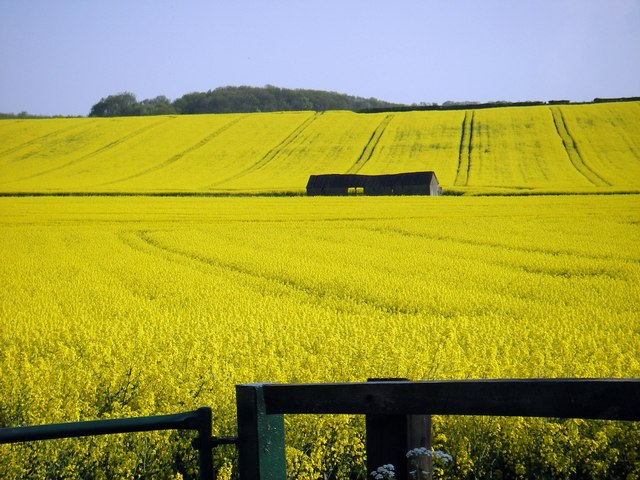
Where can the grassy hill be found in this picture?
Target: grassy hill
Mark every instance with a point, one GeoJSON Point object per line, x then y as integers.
{"type": "Point", "coordinates": [540, 149]}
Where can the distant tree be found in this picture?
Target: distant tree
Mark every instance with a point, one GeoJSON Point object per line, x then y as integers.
{"type": "Point", "coordinates": [22, 114]}
{"type": "Point", "coordinates": [451, 103]}
{"type": "Point", "coordinates": [192, 103]}
{"type": "Point", "coordinates": [270, 99]}
{"type": "Point", "coordinates": [242, 99]}
{"type": "Point", "coordinates": [120, 105]}
{"type": "Point", "coordinates": [159, 105]}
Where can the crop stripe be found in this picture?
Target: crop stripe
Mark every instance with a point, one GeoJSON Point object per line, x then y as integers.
{"type": "Point", "coordinates": [573, 152]}
{"type": "Point", "coordinates": [98, 151]}
{"type": "Point", "coordinates": [171, 160]}
{"type": "Point", "coordinates": [464, 152]}
{"type": "Point", "coordinates": [271, 154]}
{"type": "Point", "coordinates": [369, 148]}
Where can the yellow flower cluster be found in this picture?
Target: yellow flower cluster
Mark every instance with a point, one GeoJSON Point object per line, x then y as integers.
{"type": "Point", "coordinates": [130, 306]}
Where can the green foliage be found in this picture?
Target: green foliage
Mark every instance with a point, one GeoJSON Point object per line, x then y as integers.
{"type": "Point", "coordinates": [325, 446]}
{"type": "Point", "coordinates": [245, 99]}
{"type": "Point", "coordinates": [25, 115]}
{"type": "Point", "coordinates": [489, 447]}
{"type": "Point", "coordinates": [22, 114]}
{"type": "Point", "coordinates": [121, 105]}
{"type": "Point", "coordinates": [125, 104]}
{"type": "Point", "coordinates": [159, 105]}
{"type": "Point", "coordinates": [241, 99]}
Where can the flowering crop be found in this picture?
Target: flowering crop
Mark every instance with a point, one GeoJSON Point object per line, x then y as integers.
{"type": "Point", "coordinates": [132, 306]}
{"type": "Point", "coordinates": [542, 149]}
{"type": "Point", "coordinates": [129, 306]}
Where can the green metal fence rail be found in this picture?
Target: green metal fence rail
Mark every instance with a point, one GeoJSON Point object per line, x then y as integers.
{"type": "Point", "coordinates": [198, 420]}
{"type": "Point", "coordinates": [391, 408]}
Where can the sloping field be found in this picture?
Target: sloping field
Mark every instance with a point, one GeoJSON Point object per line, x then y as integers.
{"type": "Point", "coordinates": [542, 149]}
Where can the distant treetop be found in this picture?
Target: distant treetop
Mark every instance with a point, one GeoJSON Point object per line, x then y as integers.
{"type": "Point", "coordinates": [235, 100]}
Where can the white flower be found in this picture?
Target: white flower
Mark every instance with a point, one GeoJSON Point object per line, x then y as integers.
{"type": "Point", "coordinates": [437, 454]}
{"type": "Point", "coordinates": [442, 456]}
{"type": "Point", "coordinates": [418, 451]}
{"type": "Point", "coordinates": [383, 472]}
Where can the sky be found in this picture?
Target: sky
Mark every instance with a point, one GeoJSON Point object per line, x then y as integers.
{"type": "Point", "coordinates": [60, 57]}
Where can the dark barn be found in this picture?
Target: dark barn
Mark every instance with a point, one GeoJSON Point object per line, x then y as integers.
{"type": "Point", "coordinates": [415, 183]}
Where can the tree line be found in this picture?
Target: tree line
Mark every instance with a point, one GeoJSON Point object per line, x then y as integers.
{"type": "Point", "coordinates": [273, 99]}
{"type": "Point", "coordinates": [451, 105]}
{"type": "Point", "coordinates": [230, 99]}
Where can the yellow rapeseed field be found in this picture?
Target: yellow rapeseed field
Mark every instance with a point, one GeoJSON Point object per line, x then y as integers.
{"type": "Point", "coordinates": [541, 149]}
{"type": "Point", "coordinates": [134, 305]}
{"type": "Point", "coordinates": [131, 306]}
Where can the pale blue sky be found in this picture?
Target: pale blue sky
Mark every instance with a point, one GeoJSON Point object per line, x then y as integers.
{"type": "Point", "coordinates": [62, 56]}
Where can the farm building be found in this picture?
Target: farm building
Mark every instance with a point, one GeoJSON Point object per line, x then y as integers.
{"type": "Point", "coordinates": [415, 183]}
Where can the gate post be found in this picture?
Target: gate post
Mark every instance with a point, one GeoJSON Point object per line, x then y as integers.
{"type": "Point", "coordinates": [390, 437]}
{"type": "Point", "coordinates": [261, 453]}
{"type": "Point", "coordinates": [203, 443]}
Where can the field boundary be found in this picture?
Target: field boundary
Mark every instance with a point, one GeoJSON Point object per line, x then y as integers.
{"type": "Point", "coordinates": [397, 415]}
{"type": "Point", "coordinates": [398, 412]}
{"type": "Point", "coordinates": [301, 193]}
{"type": "Point", "coordinates": [492, 105]}
{"type": "Point", "coordinates": [199, 420]}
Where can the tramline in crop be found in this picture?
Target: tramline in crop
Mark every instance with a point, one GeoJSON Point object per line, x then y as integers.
{"type": "Point", "coordinates": [542, 149]}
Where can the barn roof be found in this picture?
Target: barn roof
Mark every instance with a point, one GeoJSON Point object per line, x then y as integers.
{"type": "Point", "coordinates": [353, 180]}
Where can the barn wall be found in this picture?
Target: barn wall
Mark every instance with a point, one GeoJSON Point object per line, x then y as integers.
{"type": "Point", "coordinates": [399, 184]}
{"type": "Point", "coordinates": [336, 190]}
{"type": "Point", "coordinates": [434, 187]}
{"type": "Point", "coordinates": [411, 190]}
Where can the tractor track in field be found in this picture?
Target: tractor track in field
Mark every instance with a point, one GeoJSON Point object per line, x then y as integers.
{"type": "Point", "coordinates": [98, 151]}
{"type": "Point", "coordinates": [572, 150]}
{"type": "Point", "coordinates": [271, 154]}
{"type": "Point", "coordinates": [370, 147]}
{"type": "Point", "coordinates": [494, 245]}
{"type": "Point", "coordinates": [173, 159]}
{"type": "Point", "coordinates": [143, 242]}
{"type": "Point", "coordinates": [464, 152]}
{"type": "Point", "coordinates": [41, 138]}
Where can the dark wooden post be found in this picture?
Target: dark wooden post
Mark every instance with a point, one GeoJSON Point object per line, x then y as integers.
{"type": "Point", "coordinates": [419, 435]}
{"type": "Point", "coordinates": [260, 436]}
{"type": "Point", "coordinates": [390, 437]}
{"type": "Point", "coordinates": [386, 441]}
{"type": "Point", "coordinates": [203, 443]}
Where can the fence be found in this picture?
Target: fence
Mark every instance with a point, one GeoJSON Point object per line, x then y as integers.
{"type": "Point", "coordinates": [391, 408]}
{"type": "Point", "coordinates": [199, 420]}
{"type": "Point", "coordinates": [397, 415]}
